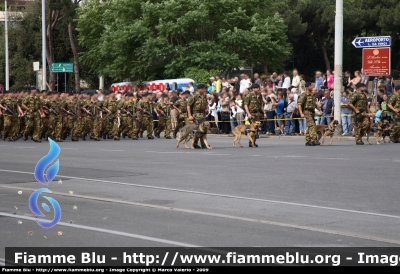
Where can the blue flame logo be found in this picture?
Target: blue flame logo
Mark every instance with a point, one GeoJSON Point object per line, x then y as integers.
{"type": "Point", "coordinates": [45, 180]}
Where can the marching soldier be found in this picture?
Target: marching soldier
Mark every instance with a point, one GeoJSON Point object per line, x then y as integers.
{"type": "Point", "coordinates": [72, 124]}
{"type": "Point", "coordinates": [8, 107]}
{"type": "Point", "coordinates": [253, 106]}
{"type": "Point", "coordinates": [146, 108]}
{"type": "Point", "coordinates": [32, 105]}
{"type": "Point", "coordinates": [307, 104]}
{"type": "Point", "coordinates": [52, 106]}
{"type": "Point", "coordinates": [45, 118]}
{"type": "Point", "coordinates": [163, 110]}
{"type": "Point", "coordinates": [112, 109]}
{"type": "Point", "coordinates": [197, 108]}
{"type": "Point", "coordinates": [181, 106]}
{"type": "Point", "coordinates": [394, 105]}
{"type": "Point", "coordinates": [359, 104]}
{"type": "Point", "coordinates": [132, 108]}
{"type": "Point", "coordinates": [87, 116]}
{"type": "Point", "coordinates": [94, 108]}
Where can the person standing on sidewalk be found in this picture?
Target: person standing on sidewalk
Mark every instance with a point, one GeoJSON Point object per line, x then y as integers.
{"type": "Point", "coordinates": [346, 113]}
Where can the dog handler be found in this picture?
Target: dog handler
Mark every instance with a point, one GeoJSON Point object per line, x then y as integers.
{"type": "Point", "coordinates": [253, 104]}
{"type": "Point", "coordinates": [394, 105]}
{"type": "Point", "coordinates": [307, 104]}
{"type": "Point", "coordinates": [197, 108]}
{"type": "Point", "coordinates": [359, 104]}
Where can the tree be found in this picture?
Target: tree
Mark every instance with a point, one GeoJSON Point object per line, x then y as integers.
{"type": "Point", "coordinates": [161, 39]}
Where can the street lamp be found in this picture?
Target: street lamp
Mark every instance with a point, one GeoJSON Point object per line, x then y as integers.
{"type": "Point", "coordinates": [6, 46]}
{"type": "Point", "coordinates": [338, 58]}
{"type": "Point", "coordinates": [44, 44]}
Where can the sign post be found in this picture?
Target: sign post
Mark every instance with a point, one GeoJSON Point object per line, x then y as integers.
{"type": "Point", "coordinates": [376, 61]}
{"type": "Point", "coordinates": [372, 42]}
{"type": "Point", "coordinates": [62, 67]}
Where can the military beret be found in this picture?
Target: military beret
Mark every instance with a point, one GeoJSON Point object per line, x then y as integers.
{"type": "Point", "coordinates": [49, 93]}
{"type": "Point", "coordinates": [200, 86]}
{"type": "Point", "coordinates": [164, 95]}
{"type": "Point", "coordinates": [55, 92]}
{"type": "Point", "coordinates": [255, 86]}
{"type": "Point", "coordinates": [32, 88]}
{"type": "Point", "coordinates": [397, 87]}
{"type": "Point", "coordinates": [308, 84]}
{"type": "Point", "coordinates": [186, 92]}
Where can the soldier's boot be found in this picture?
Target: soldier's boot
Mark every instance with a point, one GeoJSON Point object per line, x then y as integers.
{"type": "Point", "coordinates": [116, 139]}
{"type": "Point", "coordinates": [251, 145]}
{"type": "Point", "coordinates": [196, 146]}
{"type": "Point", "coordinates": [310, 144]}
{"type": "Point", "coordinates": [150, 137]}
{"type": "Point", "coordinates": [141, 134]}
{"type": "Point", "coordinates": [36, 140]}
{"type": "Point", "coordinates": [174, 135]}
{"type": "Point", "coordinates": [59, 140]}
{"type": "Point", "coordinates": [123, 135]}
{"type": "Point", "coordinates": [25, 137]}
{"type": "Point", "coordinates": [168, 137]}
{"type": "Point", "coordinates": [359, 143]}
{"type": "Point", "coordinates": [74, 139]}
{"type": "Point", "coordinates": [317, 143]}
{"type": "Point", "coordinates": [96, 139]}
{"type": "Point", "coordinates": [135, 138]}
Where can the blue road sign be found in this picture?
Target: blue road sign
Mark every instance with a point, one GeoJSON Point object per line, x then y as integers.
{"type": "Point", "coordinates": [372, 42]}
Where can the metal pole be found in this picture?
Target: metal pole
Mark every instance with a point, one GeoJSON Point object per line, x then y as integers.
{"type": "Point", "coordinates": [57, 83]}
{"type": "Point", "coordinates": [65, 82]}
{"type": "Point", "coordinates": [101, 84]}
{"type": "Point", "coordinates": [6, 35]}
{"type": "Point", "coordinates": [338, 58]}
{"type": "Point", "coordinates": [44, 44]}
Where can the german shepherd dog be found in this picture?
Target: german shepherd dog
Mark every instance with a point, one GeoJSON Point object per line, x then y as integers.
{"type": "Point", "coordinates": [238, 130]}
{"type": "Point", "coordinates": [323, 131]}
{"type": "Point", "coordinates": [186, 134]}
{"type": "Point", "coordinates": [382, 130]}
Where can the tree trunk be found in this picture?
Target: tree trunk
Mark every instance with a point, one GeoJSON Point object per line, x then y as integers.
{"type": "Point", "coordinates": [321, 43]}
{"type": "Point", "coordinates": [76, 57]}
{"type": "Point", "coordinates": [50, 47]}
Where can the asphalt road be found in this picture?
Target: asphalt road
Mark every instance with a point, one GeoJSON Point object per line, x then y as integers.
{"type": "Point", "coordinates": [148, 193]}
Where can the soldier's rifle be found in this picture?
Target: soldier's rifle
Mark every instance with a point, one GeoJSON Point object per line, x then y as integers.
{"type": "Point", "coordinates": [69, 112]}
{"type": "Point", "coordinates": [8, 109]}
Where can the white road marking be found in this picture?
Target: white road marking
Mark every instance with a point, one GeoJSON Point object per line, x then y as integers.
{"type": "Point", "coordinates": [294, 156]}
{"type": "Point", "coordinates": [344, 159]}
{"type": "Point", "coordinates": [110, 150]}
{"type": "Point", "coordinates": [24, 147]}
{"type": "Point", "coordinates": [217, 215]}
{"type": "Point", "coordinates": [219, 195]}
{"type": "Point", "coordinates": [114, 232]}
{"type": "Point", "coordinates": [69, 148]}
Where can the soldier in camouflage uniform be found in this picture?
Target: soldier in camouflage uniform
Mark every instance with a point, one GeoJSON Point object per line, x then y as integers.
{"type": "Point", "coordinates": [394, 105]}
{"type": "Point", "coordinates": [181, 106]}
{"type": "Point", "coordinates": [21, 116]}
{"type": "Point", "coordinates": [112, 109]}
{"type": "Point", "coordinates": [132, 108]}
{"type": "Point", "coordinates": [253, 105]}
{"type": "Point", "coordinates": [307, 104]}
{"type": "Point", "coordinates": [359, 104]}
{"type": "Point", "coordinates": [71, 107]}
{"type": "Point", "coordinates": [146, 108]}
{"type": "Point", "coordinates": [1, 115]}
{"type": "Point", "coordinates": [32, 104]}
{"type": "Point", "coordinates": [8, 107]}
{"type": "Point", "coordinates": [123, 120]}
{"type": "Point", "coordinates": [87, 118]}
{"type": "Point", "coordinates": [52, 106]}
{"type": "Point", "coordinates": [163, 110]}
{"type": "Point", "coordinates": [45, 120]}
{"type": "Point", "coordinates": [197, 109]}
{"type": "Point", "coordinates": [95, 110]}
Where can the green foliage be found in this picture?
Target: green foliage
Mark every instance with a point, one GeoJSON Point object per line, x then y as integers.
{"type": "Point", "coordinates": [199, 75]}
{"type": "Point", "coordinates": [161, 39]}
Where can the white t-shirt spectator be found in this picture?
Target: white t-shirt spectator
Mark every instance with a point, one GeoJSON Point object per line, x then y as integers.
{"type": "Point", "coordinates": [286, 83]}
{"type": "Point", "coordinates": [244, 84]}
{"type": "Point", "coordinates": [296, 81]}
{"type": "Point", "coordinates": [191, 89]}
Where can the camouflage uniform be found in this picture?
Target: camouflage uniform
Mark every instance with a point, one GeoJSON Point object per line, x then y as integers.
{"type": "Point", "coordinates": [146, 107]}
{"type": "Point", "coordinates": [112, 106]}
{"type": "Point", "coordinates": [308, 103]}
{"type": "Point", "coordinates": [8, 118]}
{"type": "Point", "coordinates": [164, 119]}
{"type": "Point", "coordinates": [87, 119]}
{"type": "Point", "coordinates": [54, 127]}
{"type": "Point", "coordinates": [96, 127]}
{"type": "Point", "coordinates": [183, 119]}
{"type": "Point", "coordinates": [254, 103]}
{"type": "Point", "coordinates": [32, 120]}
{"type": "Point", "coordinates": [361, 119]}
{"type": "Point", "coordinates": [198, 105]}
{"type": "Point", "coordinates": [72, 124]}
{"type": "Point", "coordinates": [122, 117]}
{"type": "Point", "coordinates": [44, 125]}
{"type": "Point", "coordinates": [132, 108]}
{"type": "Point", "coordinates": [394, 101]}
